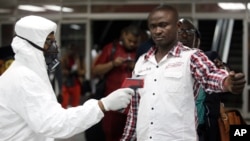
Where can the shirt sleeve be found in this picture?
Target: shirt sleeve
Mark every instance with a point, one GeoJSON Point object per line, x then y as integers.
{"type": "Point", "coordinates": [206, 73]}
{"type": "Point", "coordinates": [129, 133]}
{"type": "Point", "coordinates": [104, 56]}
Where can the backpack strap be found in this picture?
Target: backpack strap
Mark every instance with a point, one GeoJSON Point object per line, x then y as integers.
{"type": "Point", "coordinates": [113, 50]}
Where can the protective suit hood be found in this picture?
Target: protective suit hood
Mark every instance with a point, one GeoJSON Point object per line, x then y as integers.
{"type": "Point", "coordinates": [35, 29]}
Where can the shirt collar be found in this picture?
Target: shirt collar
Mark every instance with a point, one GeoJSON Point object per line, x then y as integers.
{"type": "Point", "coordinates": [175, 51]}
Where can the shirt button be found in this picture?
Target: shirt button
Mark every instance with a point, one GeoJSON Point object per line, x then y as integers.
{"type": "Point", "coordinates": [154, 79]}
{"type": "Point", "coordinates": [152, 108]}
{"type": "Point", "coordinates": [151, 123]}
{"type": "Point", "coordinates": [150, 137]}
{"type": "Point", "coordinates": [157, 66]}
{"type": "Point", "coordinates": [153, 93]}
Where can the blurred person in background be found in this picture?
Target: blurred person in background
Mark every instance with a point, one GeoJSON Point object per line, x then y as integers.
{"type": "Point", "coordinates": [116, 62]}
{"type": "Point", "coordinates": [73, 71]}
{"type": "Point", "coordinates": [208, 105]}
{"type": "Point", "coordinates": [188, 34]}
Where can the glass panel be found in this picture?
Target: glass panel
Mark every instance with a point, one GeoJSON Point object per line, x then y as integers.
{"type": "Point", "coordinates": [73, 37]}
{"type": "Point", "coordinates": [235, 54]}
{"type": "Point", "coordinates": [235, 60]}
{"type": "Point", "coordinates": [73, 54]}
{"type": "Point", "coordinates": [105, 31]}
{"type": "Point", "coordinates": [207, 28]}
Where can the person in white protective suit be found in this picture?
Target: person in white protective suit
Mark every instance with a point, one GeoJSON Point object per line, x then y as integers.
{"type": "Point", "coordinates": [29, 110]}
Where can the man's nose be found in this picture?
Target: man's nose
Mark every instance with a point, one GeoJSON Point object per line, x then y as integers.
{"type": "Point", "coordinates": [158, 30]}
{"type": "Point", "coordinates": [184, 34]}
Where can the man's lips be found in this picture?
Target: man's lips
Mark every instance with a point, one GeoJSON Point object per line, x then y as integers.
{"type": "Point", "coordinates": [158, 38]}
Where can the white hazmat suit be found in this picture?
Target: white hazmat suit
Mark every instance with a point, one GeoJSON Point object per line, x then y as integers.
{"type": "Point", "coordinates": [29, 110]}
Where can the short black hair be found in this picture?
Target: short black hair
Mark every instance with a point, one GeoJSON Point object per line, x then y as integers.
{"type": "Point", "coordinates": [166, 8]}
{"type": "Point", "coordinates": [133, 29]}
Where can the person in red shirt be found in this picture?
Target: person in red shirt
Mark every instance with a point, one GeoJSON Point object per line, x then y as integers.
{"type": "Point", "coordinates": [117, 65]}
{"type": "Point", "coordinates": [73, 72]}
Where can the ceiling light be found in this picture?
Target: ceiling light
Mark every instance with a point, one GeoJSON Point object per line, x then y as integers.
{"type": "Point", "coordinates": [31, 8]}
{"type": "Point", "coordinates": [75, 27]}
{"type": "Point", "coordinates": [232, 6]}
{"type": "Point", "coordinates": [66, 9]}
{"type": "Point", "coordinates": [58, 8]}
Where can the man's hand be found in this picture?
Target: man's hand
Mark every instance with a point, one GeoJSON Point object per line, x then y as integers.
{"type": "Point", "coordinates": [117, 100]}
{"type": "Point", "coordinates": [235, 82]}
{"type": "Point", "coordinates": [118, 61]}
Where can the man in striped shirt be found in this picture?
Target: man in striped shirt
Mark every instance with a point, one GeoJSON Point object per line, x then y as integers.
{"type": "Point", "coordinates": [164, 110]}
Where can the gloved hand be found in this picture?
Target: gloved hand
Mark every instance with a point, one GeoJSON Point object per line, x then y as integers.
{"type": "Point", "coordinates": [118, 99]}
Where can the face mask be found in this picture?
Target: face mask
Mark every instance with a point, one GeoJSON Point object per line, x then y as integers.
{"type": "Point", "coordinates": [50, 55]}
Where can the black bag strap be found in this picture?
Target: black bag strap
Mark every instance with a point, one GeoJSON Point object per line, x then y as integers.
{"type": "Point", "coordinates": [113, 50]}
{"type": "Point", "coordinates": [100, 86]}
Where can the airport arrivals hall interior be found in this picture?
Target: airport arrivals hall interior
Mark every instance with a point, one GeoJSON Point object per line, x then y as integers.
{"type": "Point", "coordinates": [87, 25]}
